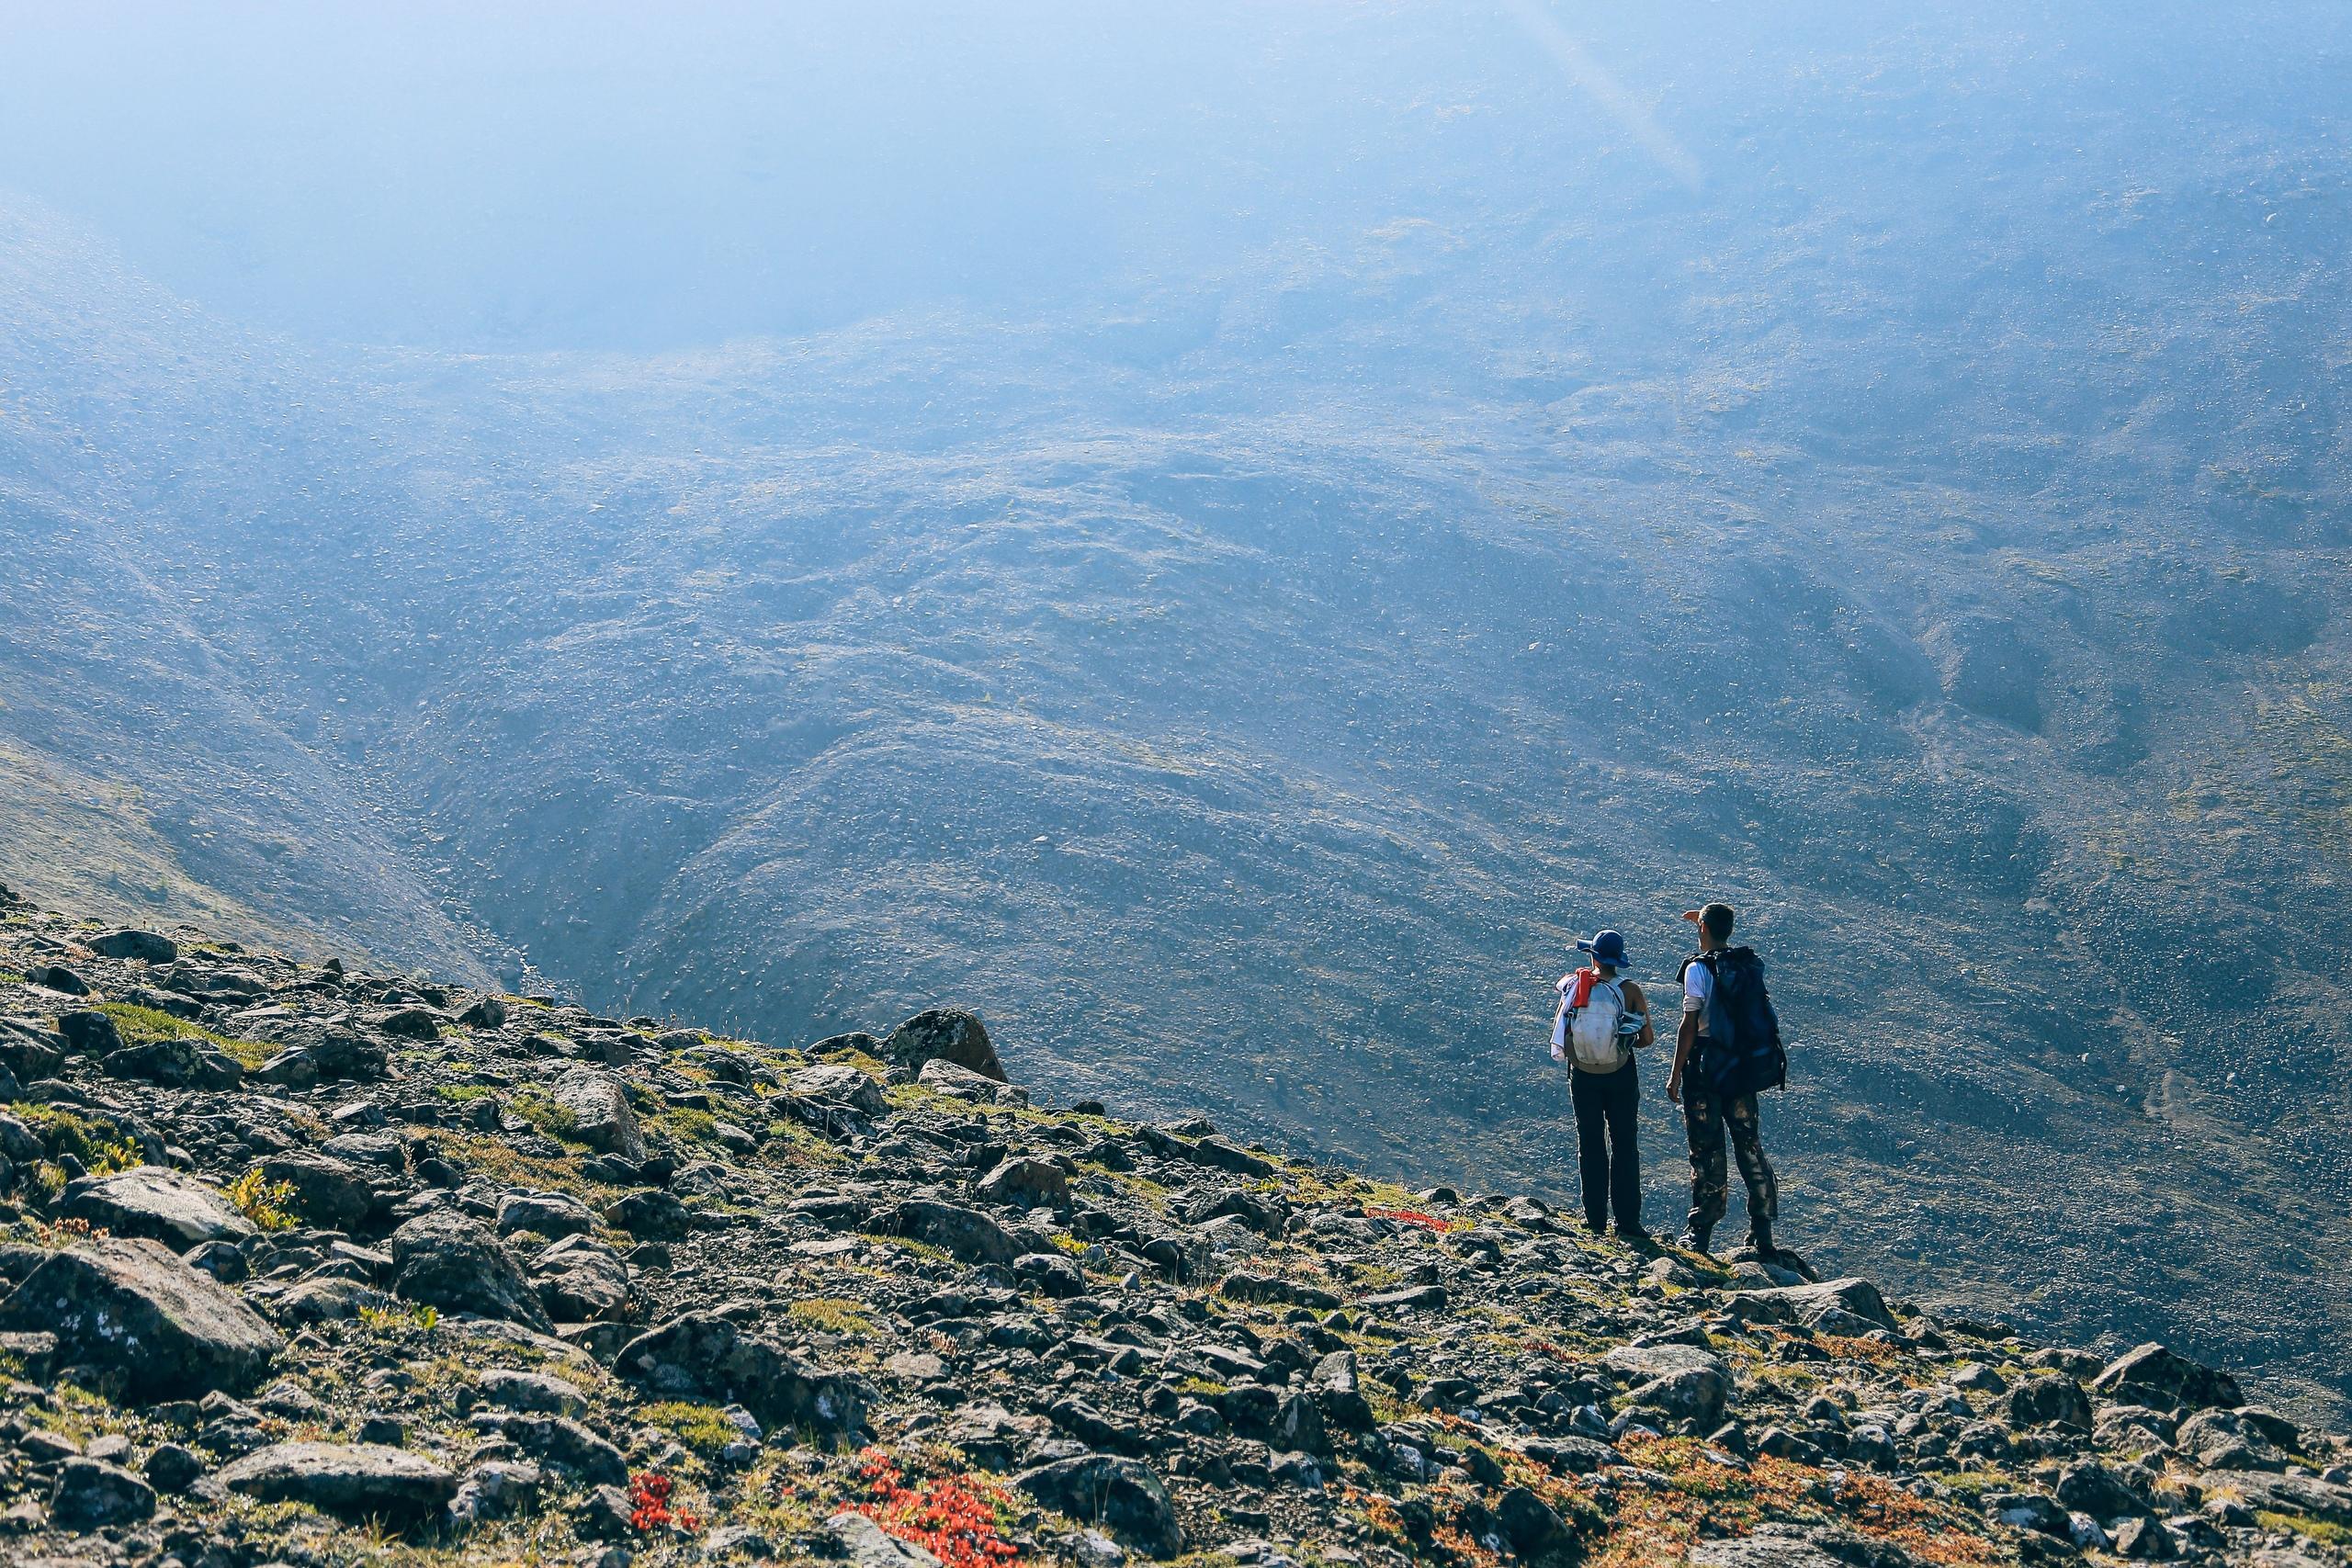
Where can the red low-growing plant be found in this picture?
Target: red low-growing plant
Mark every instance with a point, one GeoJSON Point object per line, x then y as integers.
{"type": "Point", "coordinates": [649, 1505]}
{"type": "Point", "coordinates": [953, 1517]}
{"type": "Point", "coordinates": [1410, 1217]}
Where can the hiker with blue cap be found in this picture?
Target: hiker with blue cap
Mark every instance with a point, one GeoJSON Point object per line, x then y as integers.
{"type": "Point", "coordinates": [1603, 1020]}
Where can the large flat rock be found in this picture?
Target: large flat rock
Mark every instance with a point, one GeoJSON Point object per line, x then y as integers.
{"type": "Point", "coordinates": [351, 1481]}
{"type": "Point", "coordinates": [160, 1205]}
{"type": "Point", "coordinates": [126, 1304]}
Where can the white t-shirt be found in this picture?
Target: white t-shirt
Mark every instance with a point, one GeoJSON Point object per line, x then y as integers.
{"type": "Point", "coordinates": [1698, 984]}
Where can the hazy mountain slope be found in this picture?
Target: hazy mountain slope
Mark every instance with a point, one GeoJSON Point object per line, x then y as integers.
{"type": "Point", "coordinates": [1240, 685]}
{"type": "Point", "coordinates": [147, 759]}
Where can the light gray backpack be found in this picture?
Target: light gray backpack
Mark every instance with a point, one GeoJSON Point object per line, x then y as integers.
{"type": "Point", "coordinates": [1599, 1035]}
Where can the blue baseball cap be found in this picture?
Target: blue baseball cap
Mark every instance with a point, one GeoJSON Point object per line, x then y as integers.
{"type": "Point", "coordinates": [1606, 947]}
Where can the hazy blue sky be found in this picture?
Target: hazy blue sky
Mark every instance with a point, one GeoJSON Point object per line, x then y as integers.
{"type": "Point", "coordinates": [618, 174]}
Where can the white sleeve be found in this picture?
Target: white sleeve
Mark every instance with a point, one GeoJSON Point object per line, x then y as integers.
{"type": "Point", "coordinates": [1698, 984]}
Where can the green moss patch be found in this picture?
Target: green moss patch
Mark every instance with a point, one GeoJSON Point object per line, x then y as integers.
{"type": "Point", "coordinates": [832, 1316]}
{"type": "Point", "coordinates": [2305, 1526]}
{"type": "Point", "coordinates": [702, 1428]}
{"type": "Point", "coordinates": [144, 1026]}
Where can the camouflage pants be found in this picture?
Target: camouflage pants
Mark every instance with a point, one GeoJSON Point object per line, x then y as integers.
{"type": "Point", "coordinates": [1707, 1119]}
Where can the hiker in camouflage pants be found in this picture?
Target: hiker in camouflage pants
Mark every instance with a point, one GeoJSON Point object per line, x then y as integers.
{"type": "Point", "coordinates": [1707, 1116]}
{"type": "Point", "coordinates": [1707, 1119]}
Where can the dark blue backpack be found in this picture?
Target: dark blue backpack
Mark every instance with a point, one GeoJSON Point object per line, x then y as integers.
{"type": "Point", "coordinates": [1743, 1052]}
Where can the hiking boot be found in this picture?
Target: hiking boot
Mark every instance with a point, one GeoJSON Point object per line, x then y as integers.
{"type": "Point", "coordinates": [1598, 1227]}
{"type": "Point", "coordinates": [1695, 1239]}
{"type": "Point", "coordinates": [1635, 1236]}
{"type": "Point", "coordinates": [1759, 1241]}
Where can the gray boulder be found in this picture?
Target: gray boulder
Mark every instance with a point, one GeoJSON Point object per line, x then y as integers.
{"type": "Point", "coordinates": [411, 1022]}
{"type": "Point", "coordinates": [1335, 1386]}
{"type": "Point", "coordinates": [2306, 1494]}
{"type": "Point", "coordinates": [385, 1151]}
{"type": "Point", "coordinates": [91, 1494]}
{"type": "Point", "coordinates": [17, 1141]}
{"type": "Point", "coordinates": [1808, 1303]}
{"type": "Point", "coordinates": [604, 1515]}
{"type": "Point", "coordinates": [496, 1489]}
{"type": "Point", "coordinates": [1693, 1395]}
{"type": "Point", "coordinates": [326, 1191]}
{"type": "Point", "coordinates": [1763, 1552]}
{"type": "Point", "coordinates": [704, 1356]}
{"type": "Point", "coordinates": [1528, 1521]}
{"type": "Point", "coordinates": [2030, 1511]}
{"type": "Point", "coordinates": [1298, 1428]}
{"type": "Point", "coordinates": [2223, 1440]}
{"type": "Point", "coordinates": [1220, 1154]}
{"type": "Point", "coordinates": [449, 1261]}
{"type": "Point", "coordinates": [560, 1442]}
{"type": "Point", "coordinates": [318, 1053]}
{"type": "Point", "coordinates": [537, 1394]}
{"type": "Point", "coordinates": [2270, 1426]}
{"type": "Point", "coordinates": [834, 1083]}
{"type": "Point", "coordinates": [329, 1299]}
{"type": "Point", "coordinates": [356, 1481]}
{"type": "Point", "coordinates": [947, 1034]}
{"type": "Point", "coordinates": [127, 1304]}
{"type": "Point", "coordinates": [1412, 1298]}
{"type": "Point", "coordinates": [1121, 1495]}
{"type": "Point", "coordinates": [90, 1031]}
{"type": "Point", "coordinates": [171, 1467]}
{"type": "Point", "coordinates": [651, 1215]}
{"type": "Point", "coordinates": [2052, 1401]}
{"type": "Point", "coordinates": [598, 1105]}
{"type": "Point", "coordinates": [1681, 1381]}
{"type": "Point", "coordinates": [2156, 1377]}
{"type": "Point", "coordinates": [552, 1214]}
{"type": "Point", "coordinates": [1027, 1184]}
{"type": "Point", "coordinates": [58, 979]}
{"type": "Point", "coordinates": [582, 1280]}
{"type": "Point", "coordinates": [2104, 1492]}
{"type": "Point", "coordinates": [961, 1083]}
{"type": "Point", "coordinates": [1575, 1456]}
{"type": "Point", "coordinates": [967, 1233]}
{"type": "Point", "coordinates": [159, 1204]}
{"type": "Point", "coordinates": [1050, 1273]}
{"type": "Point", "coordinates": [172, 1064]}
{"type": "Point", "coordinates": [146, 947]}
{"type": "Point", "coordinates": [867, 1545]}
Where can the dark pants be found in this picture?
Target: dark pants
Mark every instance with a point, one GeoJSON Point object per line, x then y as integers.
{"type": "Point", "coordinates": [1708, 1119]}
{"type": "Point", "coordinates": [1608, 1107]}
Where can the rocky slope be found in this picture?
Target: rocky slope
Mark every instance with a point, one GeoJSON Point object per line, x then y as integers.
{"type": "Point", "coordinates": [787, 682]}
{"type": "Point", "coordinates": [313, 1266]}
